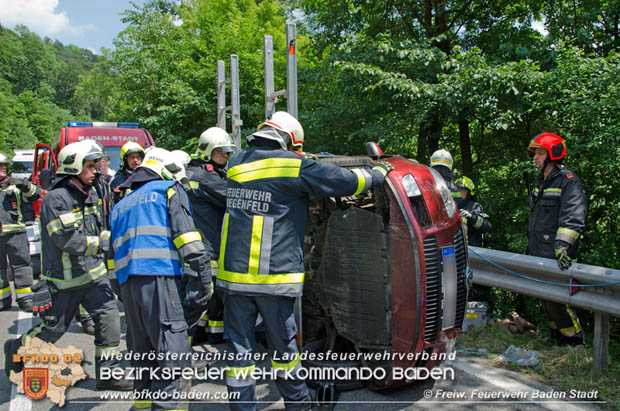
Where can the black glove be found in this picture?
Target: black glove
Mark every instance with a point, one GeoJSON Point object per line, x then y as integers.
{"type": "Point", "coordinates": [41, 299]}
{"type": "Point", "coordinates": [383, 167]}
{"type": "Point", "coordinates": [20, 183]}
{"type": "Point", "coordinates": [561, 254]}
{"type": "Point", "coordinates": [197, 292]}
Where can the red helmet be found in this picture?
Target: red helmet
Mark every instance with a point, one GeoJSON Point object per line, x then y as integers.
{"type": "Point", "coordinates": [555, 145]}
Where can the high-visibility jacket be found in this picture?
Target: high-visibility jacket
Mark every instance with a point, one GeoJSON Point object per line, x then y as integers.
{"type": "Point", "coordinates": [153, 233]}
{"type": "Point", "coordinates": [267, 208]}
{"type": "Point", "coordinates": [558, 210]}
{"type": "Point", "coordinates": [478, 223]}
{"type": "Point", "coordinates": [71, 253]}
{"type": "Point", "coordinates": [208, 199]}
{"type": "Point", "coordinates": [11, 198]}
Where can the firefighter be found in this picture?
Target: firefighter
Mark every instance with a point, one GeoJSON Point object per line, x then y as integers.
{"type": "Point", "coordinates": [72, 266]}
{"type": "Point", "coordinates": [153, 233]}
{"type": "Point", "coordinates": [557, 216]}
{"type": "Point", "coordinates": [261, 267]}
{"type": "Point", "coordinates": [442, 162]}
{"type": "Point", "coordinates": [101, 184]}
{"type": "Point", "coordinates": [207, 174]}
{"type": "Point", "coordinates": [474, 217]}
{"type": "Point", "coordinates": [13, 238]}
{"type": "Point", "coordinates": [132, 155]}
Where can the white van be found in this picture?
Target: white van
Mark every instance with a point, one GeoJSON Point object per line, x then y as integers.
{"type": "Point", "coordinates": [22, 163]}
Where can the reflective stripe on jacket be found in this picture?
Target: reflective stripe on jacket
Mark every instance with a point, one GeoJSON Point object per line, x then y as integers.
{"type": "Point", "coordinates": [557, 212]}
{"type": "Point", "coordinates": [11, 198]}
{"type": "Point", "coordinates": [267, 195]}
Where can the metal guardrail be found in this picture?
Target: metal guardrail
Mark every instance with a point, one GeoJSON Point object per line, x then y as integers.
{"type": "Point", "coordinates": [594, 295]}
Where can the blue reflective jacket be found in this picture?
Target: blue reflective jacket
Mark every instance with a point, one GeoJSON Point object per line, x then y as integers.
{"type": "Point", "coordinates": [141, 235]}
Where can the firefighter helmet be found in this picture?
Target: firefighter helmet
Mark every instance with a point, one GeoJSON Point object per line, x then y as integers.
{"type": "Point", "coordinates": [553, 144]}
{"type": "Point", "coordinates": [166, 165]}
{"type": "Point", "coordinates": [212, 138]}
{"type": "Point", "coordinates": [4, 159]}
{"type": "Point", "coordinates": [442, 158]}
{"type": "Point", "coordinates": [466, 182]}
{"type": "Point", "coordinates": [93, 144]}
{"type": "Point", "coordinates": [290, 129]}
{"type": "Point", "coordinates": [181, 156]}
{"type": "Point", "coordinates": [71, 158]}
{"type": "Point", "coordinates": [130, 148]}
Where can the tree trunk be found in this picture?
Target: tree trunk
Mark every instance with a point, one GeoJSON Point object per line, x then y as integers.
{"type": "Point", "coordinates": [428, 139]}
{"type": "Point", "coordinates": [467, 163]}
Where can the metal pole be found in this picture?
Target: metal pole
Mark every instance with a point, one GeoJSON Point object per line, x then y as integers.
{"type": "Point", "coordinates": [291, 69]}
{"type": "Point", "coordinates": [234, 97]}
{"type": "Point", "coordinates": [601, 341]}
{"type": "Point", "coordinates": [221, 94]}
{"type": "Point", "coordinates": [269, 83]}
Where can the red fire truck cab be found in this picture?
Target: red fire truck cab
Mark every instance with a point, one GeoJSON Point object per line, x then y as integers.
{"type": "Point", "coordinates": [112, 136]}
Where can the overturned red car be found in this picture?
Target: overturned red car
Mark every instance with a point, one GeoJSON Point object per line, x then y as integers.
{"type": "Point", "coordinates": [386, 272]}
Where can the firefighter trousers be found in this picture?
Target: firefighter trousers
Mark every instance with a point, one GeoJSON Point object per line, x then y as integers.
{"type": "Point", "coordinates": [14, 247]}
{"type": "Point", "coordinates": [562, 318]}
{"type": "Point", "coordinates": [155, 324]}
{"type": "Point", "coordinates": [98, 299]}
{"type": "Point", "coordinates": [240, 313]}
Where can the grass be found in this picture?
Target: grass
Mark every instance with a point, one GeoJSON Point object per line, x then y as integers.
{"type": "Point", "coordinates": [562, 367]}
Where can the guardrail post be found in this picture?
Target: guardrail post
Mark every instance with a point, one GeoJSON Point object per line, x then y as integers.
{"type": "Point", "coordinates": [601, 341]}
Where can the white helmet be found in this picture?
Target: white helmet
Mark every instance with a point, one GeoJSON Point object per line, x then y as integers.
{"type": "Point", "coordinates": [442, 158]}
{"type": "Point", "coordinates": [287, 124]}
{"type": "Point", "coordinates": [92, 144]}
{"type": "Point", "coordinates": [71, 157]}
{"type": "Point", "coordinates": [166, 165]}
{"type": "Point", "coordinates": [4, 159]}
{"type": "Point", "coordinates": [182, 156]}
{"type": "Point", "coordinates": [212, 138]}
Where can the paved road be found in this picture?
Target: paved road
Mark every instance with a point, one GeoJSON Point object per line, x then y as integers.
{"type": "Point", "coordinates": [474, 381]}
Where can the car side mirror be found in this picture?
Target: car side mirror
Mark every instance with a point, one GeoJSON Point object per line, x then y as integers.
{"type": "Point", "coordinates": [45, 178]}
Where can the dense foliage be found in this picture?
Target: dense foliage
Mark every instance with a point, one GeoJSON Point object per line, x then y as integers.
{"type": "Point", "coordinates": [38, 80]}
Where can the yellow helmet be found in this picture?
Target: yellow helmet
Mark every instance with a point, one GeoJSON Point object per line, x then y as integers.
{"type": "Point", "coordinates": [130, 148]}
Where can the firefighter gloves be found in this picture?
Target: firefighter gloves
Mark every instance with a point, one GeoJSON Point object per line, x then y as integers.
{"type": "Point", "coordinates": [197, 292]}
{"type": "Point", "coordinates": [383, 167]}
{"type": "Point", "coordinates": [41, 299]}
{"type": "Point", "coordinates": [20, 183]}
{"type": "Point", "coordinates": [561, 255]}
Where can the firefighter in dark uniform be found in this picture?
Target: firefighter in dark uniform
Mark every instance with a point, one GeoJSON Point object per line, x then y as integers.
{"type": "Point", "coordinates": [441, 161]}
{"type": "Point", "coordinates": [101, 184]}
{"type": "Point", "coordinates": [72, 264]}
{"type": "Point", "coordinates": [475, 223]}
{"type": "Point", "coordinates": [474, 217]}
{"type": "Point", "coordinates": [557, 216]}
{"type": "Point", "coordinates": [153, 235]}
{"type": "Point", "coordinates": [261, 267]}
{"type": "Point", "coordinates": [13, 237]}
{"type": "Point", "coordinates": [207, 174]}
{"type": "Point", "coordinates": [132, 155]}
